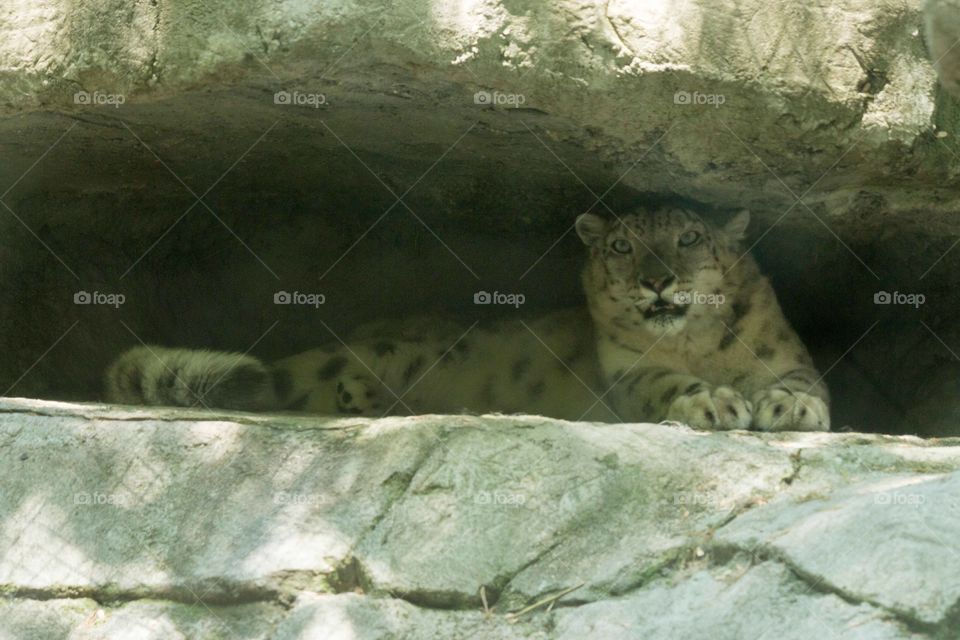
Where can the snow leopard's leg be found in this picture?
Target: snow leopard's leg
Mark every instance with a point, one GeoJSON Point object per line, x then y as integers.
{"type": "Point", "coordinates": [360, 394]}
{"type": "Point", "coordinates": [344, 379]}
{"type": "Point", "coordinates": [658, 393]}
{"type": "Point", "coordinates": [153, 375]}
{"type": "Point", "coordinates": [376, 374]}
{"type": "Point", "coordinates": [373, 377]}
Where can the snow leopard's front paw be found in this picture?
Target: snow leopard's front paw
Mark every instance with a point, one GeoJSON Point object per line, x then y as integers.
{"type": "Point", "coordinates": [358, 394]}
{"type": "Point", "coordinates": [712, 408]}
{"type": "Point", "coordinates": [782, 410]}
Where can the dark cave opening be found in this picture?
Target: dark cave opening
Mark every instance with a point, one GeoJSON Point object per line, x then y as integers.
{"type": "Point", "coordinates": [199, 234]}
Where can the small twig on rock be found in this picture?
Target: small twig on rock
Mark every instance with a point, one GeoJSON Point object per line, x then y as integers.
{"type": "Point", "coordinates": [512, 617]}
{"type": "Point", "coordinates": [487, 611]}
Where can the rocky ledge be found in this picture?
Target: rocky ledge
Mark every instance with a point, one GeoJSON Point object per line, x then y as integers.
{"type": "Point", "coordinates": [160, 523]}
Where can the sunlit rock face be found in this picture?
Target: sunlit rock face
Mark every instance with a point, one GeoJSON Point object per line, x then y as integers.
{"type": "Point", "coordinates": [397, 157]}
{"type": "Point", "coordinates": [190, 524]}
{"type": "Point", "coordinates": [942, 25]}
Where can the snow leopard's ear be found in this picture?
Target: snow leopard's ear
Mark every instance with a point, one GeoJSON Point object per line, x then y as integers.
{"type": "Point", "coordinates": [592, 229]}
{"type": "Point", "coordinates": [736, 228]}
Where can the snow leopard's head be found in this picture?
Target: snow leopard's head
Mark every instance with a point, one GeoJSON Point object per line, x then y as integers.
{"type": "Point", "coordinates": [659, 268]}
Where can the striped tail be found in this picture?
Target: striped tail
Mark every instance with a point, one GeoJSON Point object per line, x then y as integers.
{"type": "Point", "coordinates": [185, 378]}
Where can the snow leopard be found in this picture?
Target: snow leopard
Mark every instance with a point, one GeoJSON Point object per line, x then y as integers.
{"type": "Point", "coordinates": [679, 325]}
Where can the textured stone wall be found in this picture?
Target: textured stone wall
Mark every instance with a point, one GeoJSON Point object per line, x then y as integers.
{"type": "Point", "coordinates": [176, 524]}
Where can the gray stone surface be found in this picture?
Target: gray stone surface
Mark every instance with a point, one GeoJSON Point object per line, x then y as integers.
{"type": "Point", "coordinates": [942, 23]}
{"type": "Point", "coordinates": [352, 616]}
{"type": "Point", "coordinates": [863, 541]}
{"type": "Point", "coordinates": [85, 619]}
{"type": "Point", "coordinates": [742, 600]}
{"type": "Point", "coordinates": [188, 522]}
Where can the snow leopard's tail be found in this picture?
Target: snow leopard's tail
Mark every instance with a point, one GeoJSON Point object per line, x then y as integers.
{"type": "Point", "coordinates": [186, 378]}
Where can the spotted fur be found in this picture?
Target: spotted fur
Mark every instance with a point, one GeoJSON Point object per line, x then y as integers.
{"type": "Point", "coordinates": [680, 325]}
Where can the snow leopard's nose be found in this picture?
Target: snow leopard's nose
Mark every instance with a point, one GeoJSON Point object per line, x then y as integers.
{"type": "Point", "coordinates": [657, 285]}
{"type": "Point", "coordinates": [653, 273]}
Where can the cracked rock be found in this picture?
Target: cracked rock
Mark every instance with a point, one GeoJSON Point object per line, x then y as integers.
{"type": "Point", "coordinates": [527, 511]}
{"type": "Point", "coordinates": [891, 541]}
{"type": "Point", "coordinates": [360, 528]}
{"type": "Point", "coordinates": [736, 602]}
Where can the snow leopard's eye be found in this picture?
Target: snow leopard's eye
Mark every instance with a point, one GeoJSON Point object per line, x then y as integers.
{"type": "Point", "coordinates": [689, 238]}
{"type": "Point", "coordinates": [622, 246]}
